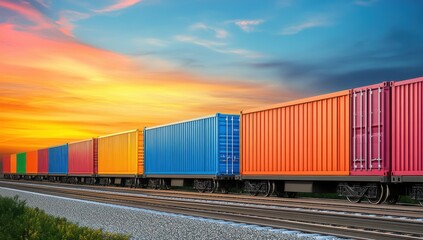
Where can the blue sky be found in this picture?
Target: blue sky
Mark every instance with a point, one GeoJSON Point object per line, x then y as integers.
{"type": "Point", "coordinates": [326, 45]}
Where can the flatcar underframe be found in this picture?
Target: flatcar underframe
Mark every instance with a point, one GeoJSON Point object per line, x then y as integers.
{"type": "Point", "coordinates": [376, 189]}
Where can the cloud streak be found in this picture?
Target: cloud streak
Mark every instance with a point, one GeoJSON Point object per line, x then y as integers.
{"type": "Point", "coordinates": [365, 3]}
{"type": "Point", "coordinates": [120, 4]}
{"type": "Point", "coordinates": [295, 29]}
{"type": "Point", "coordinates": [248, 25]}
{"type": "Point", "coordinates": [28, 12]}
{"type": "Point", "coordinates": [219, 33]}
{"type": "Point", "coordinates": [67, 19]}
{"type": "Point", "coordinates": [219, 47]}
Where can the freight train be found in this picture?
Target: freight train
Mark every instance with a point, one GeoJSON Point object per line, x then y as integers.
{"type": "Point", "coordinates": [363, 143]}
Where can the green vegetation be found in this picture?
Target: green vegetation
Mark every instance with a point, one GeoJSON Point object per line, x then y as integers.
{"type": "Point", "coordinates": [17, 221]}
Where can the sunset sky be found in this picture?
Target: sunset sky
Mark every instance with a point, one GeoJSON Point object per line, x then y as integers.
{"type": "Point", "coordinates": [72, 70]}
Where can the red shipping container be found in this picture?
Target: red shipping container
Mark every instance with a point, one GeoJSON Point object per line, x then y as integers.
{"type": "Point", "coordinates": [43, 161]}
{"type": "Point", "coordinates": [407, 127]}
{"type": "Point", "coordinates": [370, 133]}
{"type": "Point", "coordinates": [83, 158]}
{"type": "Point", "coordinates": [6, 164]}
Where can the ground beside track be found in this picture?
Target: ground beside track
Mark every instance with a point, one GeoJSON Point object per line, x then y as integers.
{"type": "Point", "coordinates": [146, 224]}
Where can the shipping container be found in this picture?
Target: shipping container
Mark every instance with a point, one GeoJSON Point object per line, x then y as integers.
{"type": "Point", "coordinates": [407, 128]}
{"type": "Point", "coordinates": [32, 162]}
{"type": "Point", "coordinates": [6, 164]}
{"type": "Point", "coordinates": [13, 164]}
{"type": "Point", "coordinates": [207, 146]}
{"type": "Point", "coordinates": [58, 160]}
{"type": "Point", "coordinates": [83, 158]}
{"type": "Point", "coordinates": [43, 161]}
{"type": "Point", "coordinates": [305, 137]}
{"type": "Point", "coordinates": [121, 154]}
{"type": "Point", "coordinates": [371, 125]}
{"type": "Point", "coordinates": [21, 163]}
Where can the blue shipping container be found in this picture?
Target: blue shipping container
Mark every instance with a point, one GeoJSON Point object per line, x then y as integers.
{"type": "Point", "coordinates": [58, 160]}
{"type": "Point", "coordinates": [207, 146]}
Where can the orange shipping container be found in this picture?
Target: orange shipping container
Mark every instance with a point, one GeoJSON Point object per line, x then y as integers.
{"type": "Point", "coordinates": [13, 164]}
{"type": "Point", "coordinates": [304, 137]}
{"type": "Point", "coordinates": [32, 162]}
{"type": "Point", "coordinates": [121, 154]}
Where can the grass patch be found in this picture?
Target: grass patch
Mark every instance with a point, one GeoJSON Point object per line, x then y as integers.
{"type": "Point", "coordinates": [17, 221]}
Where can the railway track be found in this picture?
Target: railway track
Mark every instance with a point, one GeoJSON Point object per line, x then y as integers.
{"type": "Point", "coordinates": [334, 205]}
{"type": "Point", "coordinates": [345, 224]}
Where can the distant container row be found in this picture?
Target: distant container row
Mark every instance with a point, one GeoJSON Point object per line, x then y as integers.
{"type": "Point", "coordinates": [207, 146]}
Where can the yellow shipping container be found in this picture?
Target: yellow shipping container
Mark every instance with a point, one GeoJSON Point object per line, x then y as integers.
{"type": "Point", "coordinates": [121, 154]}
{"type": "Point", "coordinates": [13, 163]}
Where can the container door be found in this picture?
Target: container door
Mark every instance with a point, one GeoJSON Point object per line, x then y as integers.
{"type": "Point", "coordinates": [229, 145]}
{"type": "Point", "coordinates": [368, 129]}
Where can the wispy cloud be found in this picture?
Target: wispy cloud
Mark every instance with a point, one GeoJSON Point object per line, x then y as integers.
{"type": "Point", "coordinates": [151, 41]}
{"type": "Point", "coordinates": [28, 12]}
{"type": "Point", "coordinates": [218, 47]}
{"type": "Point", "coordinates": [365, 2]}
{"type": "Point", "coordinates": [219, 33]}
{"type": "Point", "coordinates": [66, 20]}
{"type": "Point", "coordinates": [120, 4]}
{"type": "Point", "coordinates": [44, 3]}
{"type": "Point", "coordinates": [198, 41]}
{"type": "Point", "coordinates": [248, 25]}
{"type": "Point", "coordinates": [291, 30]}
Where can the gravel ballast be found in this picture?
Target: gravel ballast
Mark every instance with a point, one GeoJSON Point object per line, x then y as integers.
{"type": "Point", "coordinates": [147, 224]}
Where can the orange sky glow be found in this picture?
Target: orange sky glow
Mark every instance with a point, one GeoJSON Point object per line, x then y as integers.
{"type": "Point", "coordinates": [55, 89]}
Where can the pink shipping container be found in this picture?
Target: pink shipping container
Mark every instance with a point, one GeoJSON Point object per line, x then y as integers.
{"type": "Point", "coordinates": [407, 128]}
{"type": "Point", "coordinates": [43, 161]}
{"type": "Point", "coordinates": [370, 133]}
{"type": "Point", "coordinates": [83, 158]}
{"type": "Point", "coordinates": [6, 164]}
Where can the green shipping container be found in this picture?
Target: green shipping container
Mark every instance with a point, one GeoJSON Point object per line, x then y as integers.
{"type": "Point", "coordinates": [21, 163]}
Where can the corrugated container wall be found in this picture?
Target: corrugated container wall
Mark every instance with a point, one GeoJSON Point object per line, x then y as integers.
{"type": "Point", "coordinates": [21, 163]}
{"type": "Point", "coordinates": [407, 127]}
{"type": "Point", "coordinates": [32, 162]}
{"type": "Point", "coordinates": [6, 164]}
{"type": "Point", "coordinates": [205, 146]}
{"type": "Point", "coordinates": [13, 163]}
{"type": "Point", "coordinates": [43, 161]}
{"type": "Point", "coordinates": [83, 157]}
{"type": "Point", "coordinates": [121, 154]}
{"type": "Point", "coordinates": [371, 127]}
{"type": "Point", "coordinates": [58, 160]}
{"type": "Point", "coordinates": [305, 137]}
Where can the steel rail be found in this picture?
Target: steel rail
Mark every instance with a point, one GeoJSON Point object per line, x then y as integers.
{"type": "Point", "coordinates": [344, 225]}
{"type": "Point", "coordinates": [304, 203]}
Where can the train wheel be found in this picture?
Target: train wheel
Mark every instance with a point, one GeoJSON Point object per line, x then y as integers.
{"type": "Point", "coordinates": [164, 185]}
{"type": "Point", "coordinates": [206, 186]}
{"type": "Point", "coordinates": [391, 197]}
{"type": "Point", "coordinates": [380, 195]}
{"type": "Point", "coordinates": [263, 188]}
{"type": "Point", "coordinates": [354, 199]}
{"type": "Point", "coordinates": [270, 189]}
